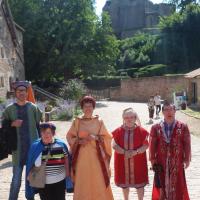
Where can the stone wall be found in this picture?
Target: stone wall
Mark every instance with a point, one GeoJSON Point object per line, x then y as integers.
{"type": "Point", "coordinates": [11, 56]}
{"type": "Point", "coordinates": [140, 89]}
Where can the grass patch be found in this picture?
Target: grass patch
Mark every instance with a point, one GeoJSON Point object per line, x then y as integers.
{"type": "Point", "coordinates": [149, 70]}
{"type": "Point", "coordinates": [193, 112]}
{"type": "Point", "coordinates": [154, 70]}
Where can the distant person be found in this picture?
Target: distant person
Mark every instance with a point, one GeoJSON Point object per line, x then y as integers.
{"type": "Point", "coordinates": [24, 117]}
{"type": "Point", "coordinates": [157, 99]}
{"type": "Point", "coordinates": [130, 142]}
{"type": "Point", "coordinates": [170, 155]}
{"type": "Point", "coordinates": [151, 108]}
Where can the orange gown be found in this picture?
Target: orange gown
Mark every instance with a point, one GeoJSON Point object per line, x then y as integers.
{"type": "Point", "coordinates": [89, 177]}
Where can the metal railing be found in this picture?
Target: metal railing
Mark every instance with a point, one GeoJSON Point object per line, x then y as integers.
{"type": "Point", "coordinates": [47, 94]}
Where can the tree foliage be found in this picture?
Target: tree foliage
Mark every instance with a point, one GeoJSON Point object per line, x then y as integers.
{"type": "Point", "coordinates": [73, 90]}
{"type": "Point", "coordinates": [64, 39]}
{"type": "Point", "coordinates": [137, 51]}
{"type": "Point", "coordinates": [180, 43]}
{"type": "Point", "coordinates": [181, 4]}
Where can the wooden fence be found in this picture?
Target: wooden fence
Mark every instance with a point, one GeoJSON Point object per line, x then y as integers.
{"type": "Point", "coordinates": [99, 94]}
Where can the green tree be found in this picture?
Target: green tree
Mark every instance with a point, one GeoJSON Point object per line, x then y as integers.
{"type": "Point", "coordinates": [65, 39]}
{"type": "Point", "coordinates": [104, 49]}
{"type": "Point", "coordinates": [180, 42]}
{"type": "Point", "coordinates": [181, 4]}
{"type": "Point", "coordinates": [137, 51]}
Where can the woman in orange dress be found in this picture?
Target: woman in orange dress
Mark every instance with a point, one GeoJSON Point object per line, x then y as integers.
{"type": "Point", "coordinates": [90, 144]}
{"type": "Point", "coordinates": [130, 142]}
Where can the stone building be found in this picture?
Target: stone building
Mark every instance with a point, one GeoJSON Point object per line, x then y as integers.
{"type": "Point", "coordinates": [11, 50]}
{"type": "Point", "coordinates": [130, 16]}
{"type": "Point", "coordinates": [194, 87]}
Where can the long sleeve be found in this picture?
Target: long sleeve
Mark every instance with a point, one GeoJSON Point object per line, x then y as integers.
{"type": "Point", "coordinates": [117, 148]}
{"type": "Point", "coordinates": [153, 144]}
{"type": "Point", "coordinates": [38, 115]}
{"type": "Point", "coordinates": [187, 144]}
{"type": "Point", "coordinates": [106, 139]}
{"type": "Point", "coordinates": [72, 133]}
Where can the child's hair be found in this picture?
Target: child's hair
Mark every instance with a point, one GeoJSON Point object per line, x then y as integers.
{"type": "Point", "coordinates": [46, 125]}
{"type": "Point", "coordinates": [168, 103]}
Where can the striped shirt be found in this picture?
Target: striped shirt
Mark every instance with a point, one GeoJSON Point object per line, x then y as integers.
{"type": "Point", "coordinates": [55, 167]}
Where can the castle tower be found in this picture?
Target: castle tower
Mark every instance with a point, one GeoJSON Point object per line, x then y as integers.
{"type": "Point", "coordinates": [131, 16]}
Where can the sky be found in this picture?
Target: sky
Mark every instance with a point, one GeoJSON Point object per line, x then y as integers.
{"type": "Point", "coordinates": [101, 3]}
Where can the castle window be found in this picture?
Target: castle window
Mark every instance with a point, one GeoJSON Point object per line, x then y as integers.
{"type": "Point", "coordinates": [2, 82]}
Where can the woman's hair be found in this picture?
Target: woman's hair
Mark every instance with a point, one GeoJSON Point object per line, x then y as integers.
{"type": "Point", "coordinates": [87, 99]}
{"type": "Point", "coordinates": [46, 125]}
{"type": "Point", "coordinates": [130, 110]}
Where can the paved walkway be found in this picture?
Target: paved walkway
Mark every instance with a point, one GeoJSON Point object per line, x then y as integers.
{"type": "Point", "coordinates": [111, 114]}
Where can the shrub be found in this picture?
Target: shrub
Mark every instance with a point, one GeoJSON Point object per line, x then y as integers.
{"type": "Point", "coordinates": [2, 100]}
{"type": "Point", "coordinates": [77, 111]}
{"type": "Point", "coordinates": [102, 82]}
{"type": "Point", "coordinates": [63, 115]}
{"type": "Point", "coordinates": [64, 111]}
{"type": "Point", "coordinates": [73, 90]}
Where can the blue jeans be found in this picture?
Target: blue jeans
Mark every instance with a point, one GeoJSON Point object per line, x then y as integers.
{"type": "Point", "coordinates": [16, 182]}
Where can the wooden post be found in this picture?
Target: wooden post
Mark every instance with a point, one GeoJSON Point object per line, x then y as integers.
{"type": "Point", "coordinates": [47, 116]}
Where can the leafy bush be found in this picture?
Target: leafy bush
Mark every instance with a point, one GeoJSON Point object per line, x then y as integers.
{"type": "Point", "coordinates": [130, 71]}
{"type": "Point", "coordinates": [137, 51]}
{"type": "Point", "coordinates": [64, 111]}
{"type": "Point", "coordinates": [77, 111]}
{"type": "Point", "coordinates": [2, 100]}
{"type": "Point", "coordinates": [102, 82]}
{"type": "Point", "coordinates": [63, 115]}
{"type": "Point", "coordinates": [73, 90]}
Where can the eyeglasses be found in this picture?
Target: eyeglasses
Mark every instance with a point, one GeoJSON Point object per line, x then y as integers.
{"type": "Point", "coordinates": [21, 90]}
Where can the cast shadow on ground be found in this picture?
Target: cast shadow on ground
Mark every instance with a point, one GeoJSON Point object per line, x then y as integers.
{"type": "Point", "coordinates": [6, 165]}
{"type": "Point", "coordinates": [149, 123]}
{"type": "Point", "coordinates": [101, 105]}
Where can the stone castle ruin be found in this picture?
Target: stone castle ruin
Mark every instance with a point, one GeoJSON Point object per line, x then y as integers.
{"type": "Point", "coordinates": [131, 16]}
